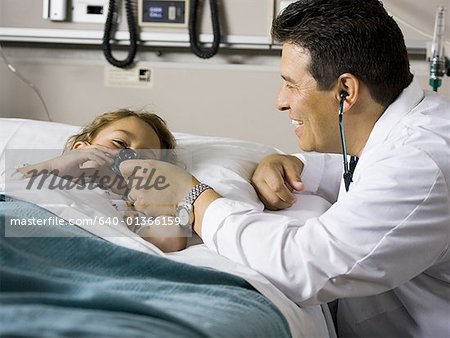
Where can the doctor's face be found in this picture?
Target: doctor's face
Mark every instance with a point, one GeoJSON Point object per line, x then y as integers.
{"type": "Point", "coordinates": [313, 112]}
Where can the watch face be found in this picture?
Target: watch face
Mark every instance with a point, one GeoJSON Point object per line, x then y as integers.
{"type": "Point", "coordinates": [185, 215]}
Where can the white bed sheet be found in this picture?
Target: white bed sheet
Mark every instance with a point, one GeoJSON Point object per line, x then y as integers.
{"type": "Point", "coordinates": [225, 164]}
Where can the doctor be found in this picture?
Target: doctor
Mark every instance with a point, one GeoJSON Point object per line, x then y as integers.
{"type": "Point", "coordinates": [382, 249]}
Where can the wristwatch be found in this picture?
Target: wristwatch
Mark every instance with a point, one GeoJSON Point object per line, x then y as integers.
{"type": "Point", "coordinates": [185, 209]}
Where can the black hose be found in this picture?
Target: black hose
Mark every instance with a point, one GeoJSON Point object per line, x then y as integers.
{"type": "Point", "coordinates": [203, 52]}
{"type": "Point", "coordinates": [111, 20]}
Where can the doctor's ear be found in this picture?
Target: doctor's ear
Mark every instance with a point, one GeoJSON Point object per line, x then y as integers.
{"type": "Point", "coordinates": [348, 87]}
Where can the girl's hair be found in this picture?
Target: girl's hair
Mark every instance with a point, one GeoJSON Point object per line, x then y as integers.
{"type": "Point", "coordinates": [90, 131]}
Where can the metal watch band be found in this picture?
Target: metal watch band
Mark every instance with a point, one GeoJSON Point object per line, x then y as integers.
{"type": "Point", "coordinates": [195, 193]}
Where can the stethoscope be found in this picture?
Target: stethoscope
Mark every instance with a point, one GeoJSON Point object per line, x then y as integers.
{"type": "Point", "coordinates": [348, 168]}
{"type": "Point", "coordinates": [123, 155]}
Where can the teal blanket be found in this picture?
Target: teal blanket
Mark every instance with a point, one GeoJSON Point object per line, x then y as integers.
{"type": "Point", "coordinates": [84, 286]}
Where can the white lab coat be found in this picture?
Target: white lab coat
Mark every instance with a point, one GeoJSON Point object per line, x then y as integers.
{"type": "Point", "coordinates": [382, 248]}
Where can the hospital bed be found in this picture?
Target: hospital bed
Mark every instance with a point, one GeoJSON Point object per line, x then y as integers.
{"type": "Point", "coordinates": [74, 279]}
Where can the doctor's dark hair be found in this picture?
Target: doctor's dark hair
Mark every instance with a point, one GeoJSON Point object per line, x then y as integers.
{"type": "Point", "coordinates": [91, 130]}
{"type": "Point", "coordinates": [348, 36]}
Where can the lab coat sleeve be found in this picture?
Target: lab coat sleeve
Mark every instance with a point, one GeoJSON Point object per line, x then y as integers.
{"type": "Point", "coordinates": [322, 174]}
{"type": "Point", "coordinates": [391, 226]}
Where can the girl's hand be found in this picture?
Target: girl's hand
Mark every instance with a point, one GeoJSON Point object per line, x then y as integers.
{"type": "Point", "coordinates": [87, 160]}
{"type": "Point", "coordinates": [72, 164]}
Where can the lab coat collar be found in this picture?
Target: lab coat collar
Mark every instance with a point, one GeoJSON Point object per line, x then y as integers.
{"type": "Point", "coordinates": [408, 99]}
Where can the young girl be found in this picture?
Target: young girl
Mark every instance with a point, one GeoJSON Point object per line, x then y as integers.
{"type": "Point", "coordinates": [93, 151]}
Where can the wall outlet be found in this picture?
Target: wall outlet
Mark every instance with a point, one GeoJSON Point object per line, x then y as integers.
{"type": "Point", "coordinates": [94, 11]}
{"type": "Point", "coordinates": [140, 76]}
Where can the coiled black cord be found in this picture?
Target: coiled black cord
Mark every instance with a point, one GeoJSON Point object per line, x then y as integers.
{"type": "Point", "coordinates": [202, 52]}
{"type": "Point", "coordinates": [111, 21]}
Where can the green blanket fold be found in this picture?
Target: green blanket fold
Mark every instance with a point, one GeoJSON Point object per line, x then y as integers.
{"type": "Point", "coordinates": [84, 286]}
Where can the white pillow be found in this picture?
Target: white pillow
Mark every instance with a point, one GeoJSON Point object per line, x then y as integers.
{"type": "Point", "coordinates": [17, 134]}
{"type": "Point", "coordinates": [33, 134]}
{"type": "Point", "coordinates": [225, 164]}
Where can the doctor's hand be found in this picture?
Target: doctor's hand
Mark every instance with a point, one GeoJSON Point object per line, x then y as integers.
{"type": "Point", "coordinates": [156, 187]}
{"type": "Point", "coordinates": [274, 179]}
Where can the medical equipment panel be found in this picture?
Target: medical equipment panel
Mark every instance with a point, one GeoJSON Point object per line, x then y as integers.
{"type": "Point", "coordinates": [244, 23]}
{"type": "Point", "coordinates": [163, 13]}
{"type": "Point", "coordinates": [89, 11]}
{"type": "Point", "coordinates": [54, 10]}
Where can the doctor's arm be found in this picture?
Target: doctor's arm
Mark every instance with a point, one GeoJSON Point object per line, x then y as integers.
{"type": "Point", "coordinates": [388, 219]}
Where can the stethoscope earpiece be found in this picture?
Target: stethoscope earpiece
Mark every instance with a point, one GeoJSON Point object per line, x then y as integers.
{"type": "Point", "coordinates": [343, 95]}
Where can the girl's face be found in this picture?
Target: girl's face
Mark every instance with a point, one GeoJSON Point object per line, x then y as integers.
{"type": "Point", "coordinates": [129, 132]}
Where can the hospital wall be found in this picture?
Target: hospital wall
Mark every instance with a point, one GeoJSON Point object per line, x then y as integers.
{"type": "Point", "coordinates": [232, 94]}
